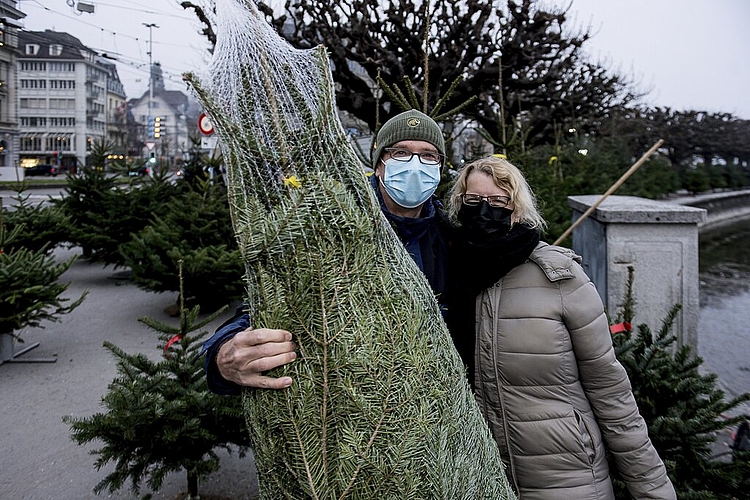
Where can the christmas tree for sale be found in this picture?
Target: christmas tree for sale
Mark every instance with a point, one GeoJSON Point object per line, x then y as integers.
{"type": "Point", "coordinates": [102, 215]}
{"type": "Point", "coordinates": [684, 410]}
{"type": "Point", "coordinates": [40, 226]}
{"type": "Point", "coordinates": [30, 291]}
{"type": "Point", "coordinates": [380, 407]}
{"type": "Point", "coordinates": [194, 227]}
{"type": "Point", "coordinates": [160, 416]}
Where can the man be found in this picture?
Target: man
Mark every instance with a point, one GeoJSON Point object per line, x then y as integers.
{"type": "Point", "coordinates": [407, 162]}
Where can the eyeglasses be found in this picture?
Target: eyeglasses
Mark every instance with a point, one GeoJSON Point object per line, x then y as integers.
{"type": "Point", "coordinates": [473, 200]}
{"type": "Point", "coordinates": [427, 157]}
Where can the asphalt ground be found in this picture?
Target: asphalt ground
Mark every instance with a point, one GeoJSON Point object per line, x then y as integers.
{"type": "Point", "coordinates": [39, 460]}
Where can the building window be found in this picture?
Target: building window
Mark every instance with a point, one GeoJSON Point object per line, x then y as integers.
{"type": "Point", "coordinates": [33, 121]}
{"type": "Point", "coordinates": [59, 67]}
{"type": "Point", "coordinates": [33, 84]}
{"type": "Point", "coordinates": [62, 103]}
{"type": "Point", "coordinates": [62, 84]}
{"type": "Point", "coordinates": [8, 35]}
{"type": "Point", "coordinates": [32, 49]}
{"type": "Point", "coordinates": [31, 143]}
{"type": "Point", "coordinates": [55, 50]}
{"type": "Point", "coordinates": [35, 103]}
{"type": "Point", "coordinates": [58, 143]}
{"type": "Point", "coordinates": [33, 66]}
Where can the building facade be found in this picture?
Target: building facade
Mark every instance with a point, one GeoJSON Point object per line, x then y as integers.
{"type": "Point", "coordinates": [9, 16]}
{"type": "Point", "coordinates": [116, 112]}
{"type": "Point", "coordinates": [167, 110]}
{"type": "Point", "coordinates": [63, 94]}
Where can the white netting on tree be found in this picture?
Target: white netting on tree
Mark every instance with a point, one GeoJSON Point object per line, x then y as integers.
{"type": "Point", "coordinates": [380, 407]}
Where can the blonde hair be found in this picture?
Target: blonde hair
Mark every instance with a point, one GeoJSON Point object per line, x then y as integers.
{"type": "Point", "coordinates": [506, 176]}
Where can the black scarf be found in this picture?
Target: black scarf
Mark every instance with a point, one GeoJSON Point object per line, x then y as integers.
{"type": "Point", "coordinates": [474, 268]}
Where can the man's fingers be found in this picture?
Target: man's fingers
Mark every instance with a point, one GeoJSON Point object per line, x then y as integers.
{"type": "Point", "coordinates": [267, 363]}
{"type": "Point", "coordinates": [262, 382]}
{"type": "Point", "coordinates": [245, 358]}
{"type": "Point", "coordinates": [260, 336]}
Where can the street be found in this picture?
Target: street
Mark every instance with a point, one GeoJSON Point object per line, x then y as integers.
{"type": "Point", "coordinates": [36, 195]}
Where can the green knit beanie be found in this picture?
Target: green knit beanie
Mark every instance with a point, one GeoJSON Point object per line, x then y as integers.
{"type": "Point", "coordinates": [410, 125]}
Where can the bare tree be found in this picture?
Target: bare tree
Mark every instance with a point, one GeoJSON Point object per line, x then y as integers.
{"type": "Point", "coordinates": [519, 58]}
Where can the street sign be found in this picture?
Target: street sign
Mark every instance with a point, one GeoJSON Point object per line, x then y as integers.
{"type": "Point", "coordinates": [209, 142]}
{"type": "Point", "coordinates": [150, 145]}
{"type": "Point", "coordinates": [205, 125]}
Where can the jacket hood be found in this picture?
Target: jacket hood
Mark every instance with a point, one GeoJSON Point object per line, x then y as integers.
{"type": "Point", "coordinates": [556, 262]}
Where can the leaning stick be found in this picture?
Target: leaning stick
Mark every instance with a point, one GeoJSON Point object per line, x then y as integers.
{"type": "Point", "coordinates": [611, 190]}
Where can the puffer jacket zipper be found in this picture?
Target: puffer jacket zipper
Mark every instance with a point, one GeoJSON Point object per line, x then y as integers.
{"type": "Point", "coordinates": [587, 440]}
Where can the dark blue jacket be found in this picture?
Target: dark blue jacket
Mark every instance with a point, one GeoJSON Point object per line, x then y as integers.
{"type": "Point", "coordinates": [426, 240]}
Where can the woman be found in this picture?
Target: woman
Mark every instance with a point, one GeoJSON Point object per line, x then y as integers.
{"type": "Point", "coordinates": [541, 361]}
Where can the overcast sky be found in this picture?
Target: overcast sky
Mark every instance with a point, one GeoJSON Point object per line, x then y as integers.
{"type": "Point", "coordinates": [690, 54]}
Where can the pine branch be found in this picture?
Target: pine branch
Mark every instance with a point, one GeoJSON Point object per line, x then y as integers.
{"type": "Point", "coordinates": [395, 94]}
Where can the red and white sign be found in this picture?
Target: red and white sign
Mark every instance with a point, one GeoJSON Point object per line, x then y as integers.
{"type": "Point", "coordinates": [205, 125]}
{"type": "Point", "coordinates": [150, 145]}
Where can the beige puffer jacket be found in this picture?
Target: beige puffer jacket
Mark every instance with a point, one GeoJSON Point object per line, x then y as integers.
{"type": "Point", "coordinates": [549, 385]}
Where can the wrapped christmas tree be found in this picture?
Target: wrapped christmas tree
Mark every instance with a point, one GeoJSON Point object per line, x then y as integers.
{"type": "Point", "coordinates": [380, 406]}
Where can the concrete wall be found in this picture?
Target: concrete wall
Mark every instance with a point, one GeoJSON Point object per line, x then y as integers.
{"type": "Point", "coordinates": [659, 240]}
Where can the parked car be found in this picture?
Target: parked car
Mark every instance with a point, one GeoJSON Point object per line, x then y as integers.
{"type": "Point", "coordinates": [40, 170]}
{"type": "Point", "coordinates": [139, 171]}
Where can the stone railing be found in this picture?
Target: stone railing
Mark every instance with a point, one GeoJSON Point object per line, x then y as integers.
{"type": "Point", "coordinates": [659, 240]}
{"type": "Point", "coordinates": [723, 208]}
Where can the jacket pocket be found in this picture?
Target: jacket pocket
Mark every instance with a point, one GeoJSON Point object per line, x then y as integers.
{"type": "Point", "coordinates": [586, 438]}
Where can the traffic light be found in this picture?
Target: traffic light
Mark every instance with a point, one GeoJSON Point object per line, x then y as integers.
{"type": "Point", "coordinates": [157, 127]}
{"type": "Point", "coordinates": [152, 157]}
{"type": "Point", "coordinates": [150, 127]}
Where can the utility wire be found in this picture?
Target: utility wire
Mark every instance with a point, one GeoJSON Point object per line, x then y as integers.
{"type": "Point", "coordinates": [172, 74]}
{"type": "Point", "coordinates": [137, 39]}
{"type": "Point", "coordinates": [146, 11]}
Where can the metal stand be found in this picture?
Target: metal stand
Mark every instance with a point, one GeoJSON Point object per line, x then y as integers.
{"type": "Point", "coordinates": [29, 360]}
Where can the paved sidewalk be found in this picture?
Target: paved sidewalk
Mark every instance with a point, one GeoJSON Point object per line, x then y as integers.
{"type": "Point", "coordinates": [39, 460]}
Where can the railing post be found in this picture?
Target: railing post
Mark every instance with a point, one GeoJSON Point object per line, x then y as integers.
{"type": "Point", "coordinates": [660, 241]}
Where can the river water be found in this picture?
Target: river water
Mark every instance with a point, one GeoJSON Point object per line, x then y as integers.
{"type": "Point", "coordinates": [724, 324]}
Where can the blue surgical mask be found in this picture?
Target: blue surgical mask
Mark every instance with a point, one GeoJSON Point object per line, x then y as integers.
{"type": "Point", "coordinates": [410, 183]}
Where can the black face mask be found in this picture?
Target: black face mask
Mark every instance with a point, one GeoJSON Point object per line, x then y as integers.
{"type": "Point", "coordinates": [483, 223]}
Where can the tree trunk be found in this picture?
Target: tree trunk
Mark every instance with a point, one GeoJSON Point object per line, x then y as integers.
{"type": "Point", "coordinates": [192, 480]}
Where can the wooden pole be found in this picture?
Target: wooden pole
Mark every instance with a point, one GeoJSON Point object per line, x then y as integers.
{"type": "Point", "coordinates": [611, 190]}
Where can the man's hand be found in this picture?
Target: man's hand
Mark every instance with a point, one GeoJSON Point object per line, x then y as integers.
{"type": "Point", "coordinates": [244, 358]}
